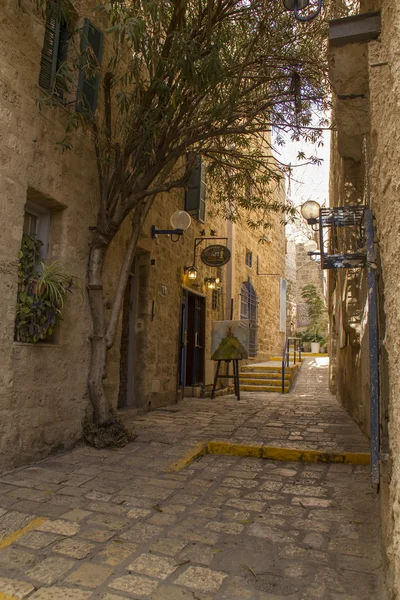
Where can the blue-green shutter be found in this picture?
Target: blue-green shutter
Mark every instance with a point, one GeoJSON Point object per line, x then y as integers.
{"type": "Point", "coordinates": [195, 196]}
{"type": "Point", "coordinates": [88, 86]}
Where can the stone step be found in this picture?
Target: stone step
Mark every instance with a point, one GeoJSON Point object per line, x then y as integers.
{"type": "Point", "coordinates": [267, 381]}
{"type": "Point", "coordinates": [252, 375]}
{"type": "Point", "coordinates": [269, 369]}
{"type": "Point", "coordinates": [264, 388]}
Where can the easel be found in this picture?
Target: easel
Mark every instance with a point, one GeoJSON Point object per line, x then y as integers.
{"type": "Point", "coordinates": [227, 376]}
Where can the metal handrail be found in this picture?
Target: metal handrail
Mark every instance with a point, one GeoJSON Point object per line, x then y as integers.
{"type": "Point", "coordinates": [286, 356]}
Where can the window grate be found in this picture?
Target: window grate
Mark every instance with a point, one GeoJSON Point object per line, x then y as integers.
{"type": "Point", "coordinates": [249, 311]}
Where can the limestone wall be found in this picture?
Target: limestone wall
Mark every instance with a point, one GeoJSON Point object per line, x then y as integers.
{"type": "Point", "coordinates": [43, 395]}
{"type": "Point", "coordinates": [378, 167]}
{"type": "Point", "coordinates": [40, 410]}
{"type": "Point", "coordinates": [308, 272]}
{"type": "Point", "coordinates": [385, 185]}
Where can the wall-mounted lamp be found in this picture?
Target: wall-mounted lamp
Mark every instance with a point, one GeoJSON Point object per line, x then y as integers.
{"type": "Point", "coordinates": [191, 272]}
{"type": "Point", "coordinates": [310, 211]}
{"type": "Point", "coordinates": [297, 5]}
{"type": "Point", "coordinates": [180, 221]}
{"type": "Point", "coordinates": [211, 282]}
{"type": "Point", "coordinates": [310, 246]}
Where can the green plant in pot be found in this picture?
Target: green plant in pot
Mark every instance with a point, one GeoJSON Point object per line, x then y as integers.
{"type": "Point", "coordinates": [317, 314]}
{"type": "Point", "coordinates": [42, 291]}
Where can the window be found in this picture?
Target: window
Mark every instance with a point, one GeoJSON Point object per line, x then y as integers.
{"type": "Point", "coordinates": [195, 196]}
{"type": "Point", "coordinates": [37, 224]}
{"type": "Point", "coordinates": [249, 311]}
{"type": "Point", "coordinates": [249, 258]}
{"type": "Point", "coordinates": [88, 82]}
{"type": "Point", "coordinates": [54, 54]}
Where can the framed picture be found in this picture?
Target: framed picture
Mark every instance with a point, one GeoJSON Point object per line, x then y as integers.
{"type": "Point", "coordinates": [230, 340]}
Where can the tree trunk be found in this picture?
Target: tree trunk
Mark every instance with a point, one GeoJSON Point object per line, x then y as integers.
{"type": "Point", "coordinates": [104, 415]}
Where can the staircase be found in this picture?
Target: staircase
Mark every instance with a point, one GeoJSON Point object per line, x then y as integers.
{"type": "Point", "coordinates": [267, 377]}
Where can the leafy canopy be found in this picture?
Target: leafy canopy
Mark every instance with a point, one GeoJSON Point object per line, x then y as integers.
{"type": "Point", "coordinates": [210, 76]}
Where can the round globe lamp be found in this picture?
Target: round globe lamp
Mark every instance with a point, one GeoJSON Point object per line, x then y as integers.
{"type": "Point", "coordinates": [310, 246]}
{"type": "Point", "coordinates": [310, 211]}
{"type": "Point", "coordinates": [181, 220]}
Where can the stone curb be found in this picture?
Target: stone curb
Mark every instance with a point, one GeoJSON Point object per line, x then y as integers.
{"type": "Point", "coordinates": [270, 453]}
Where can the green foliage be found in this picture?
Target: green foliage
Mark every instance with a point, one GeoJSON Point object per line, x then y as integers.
{"type": "Point", "coordinates": [208, 76]}
{"type": "Point", "coordinates": [316, 312]}
{"type": "Point", "coordinates": [42, 291]}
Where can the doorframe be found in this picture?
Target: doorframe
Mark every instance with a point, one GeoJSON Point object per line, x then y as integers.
{"type": "Point", "coordinates": [133, 274]}
{"type": "Point", "coordinates": [182, 356]}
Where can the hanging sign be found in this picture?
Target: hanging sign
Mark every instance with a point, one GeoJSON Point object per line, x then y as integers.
{"type": "Point", "coordinates": [216, 255]}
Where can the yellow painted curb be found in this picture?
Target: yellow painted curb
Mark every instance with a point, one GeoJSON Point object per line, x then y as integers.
{"type": "Point", "coordinates": [15, 535]}
{"type": "Point", "coordinates": [315, 456]}
{"type": "Point", "coordinates": [228, 449]}
{"type": "Point", "coordinates": [269, 452]}
{"type": "Point", "coordinates": [198, 450]}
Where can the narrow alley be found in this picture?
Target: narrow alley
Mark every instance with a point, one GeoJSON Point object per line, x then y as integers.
{"type": "Point", "coordinates": [109, 525]}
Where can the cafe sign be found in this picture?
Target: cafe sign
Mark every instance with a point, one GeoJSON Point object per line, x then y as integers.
{"type": "Point", "coordinates": [216, 255]}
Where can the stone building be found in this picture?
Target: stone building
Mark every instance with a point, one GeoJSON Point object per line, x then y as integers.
{"type": "Point", "coordinates": [300, 270]}
{"type": "Point", "coordinates": [163, 347]}
{"type": "Point", "coordinates": [365, 74]}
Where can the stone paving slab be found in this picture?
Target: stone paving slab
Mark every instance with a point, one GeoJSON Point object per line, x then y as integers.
{"type": "Point", "coordinates": [308, 417]}
{"type": "Point", "coordinates": [119, 525]}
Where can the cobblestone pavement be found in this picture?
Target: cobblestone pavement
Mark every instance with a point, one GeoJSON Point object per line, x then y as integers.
{"type": "Point", "coordinates": [308, 417]}
{"type": "Point", "coordinates": [116, 524]}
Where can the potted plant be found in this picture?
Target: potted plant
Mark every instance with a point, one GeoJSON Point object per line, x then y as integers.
{"type": "Point", "coordinates": [305, 337]}
{"type": "Point", "coordinates": [317, 314]}
{"type": "Point", "coordinates": [42, 291]}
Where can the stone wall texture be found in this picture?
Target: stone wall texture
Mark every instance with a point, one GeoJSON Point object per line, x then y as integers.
{"type": "Point", "coordinates": [365, 165]}
{"type": "Point", "coordinates": [43, 395]}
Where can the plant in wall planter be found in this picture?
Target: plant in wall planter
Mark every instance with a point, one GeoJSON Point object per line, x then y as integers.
{"type": "Point", "coordinates": [42, 292]}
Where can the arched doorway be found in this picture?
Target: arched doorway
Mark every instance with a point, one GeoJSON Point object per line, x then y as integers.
{"type": "Point", "coordinates": [249, 310]}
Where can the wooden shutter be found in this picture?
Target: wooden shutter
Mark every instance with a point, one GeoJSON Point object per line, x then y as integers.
{"type": "Point", "coordinates": [88, 85]}
{"type": "Point", "coordinates": [195, 196]}
{"type": "Point", "coordinates": [48, 63]}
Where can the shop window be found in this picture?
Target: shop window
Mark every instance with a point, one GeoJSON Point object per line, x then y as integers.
{"type": "Point", "coordinates": [88, 82]}
{"type": "Point", "coordinates": [249, 258]}
{"type": "Point", "coordinates": [195, 196]}
{"type": "Point", "coordinates": [54, 54]}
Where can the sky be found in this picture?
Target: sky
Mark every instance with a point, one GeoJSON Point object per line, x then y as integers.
{"type": "Point", "coordinates": [308, 182]}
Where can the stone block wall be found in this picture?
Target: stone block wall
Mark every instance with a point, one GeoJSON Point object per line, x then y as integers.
{"type": "Point", "coordinates": [378, 171]}
{"type": "Point", "coordinates": [43, 391]}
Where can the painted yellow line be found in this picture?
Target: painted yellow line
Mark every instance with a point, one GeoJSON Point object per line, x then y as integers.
{"type": "Point", "coordinates": [269, 452]}
{"type": "Point", "coordinates": [7, 597]}
{"type": "Point", "coordinates": [199, 449]}
{"type": "Point", "coordinates": [15, 535]}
